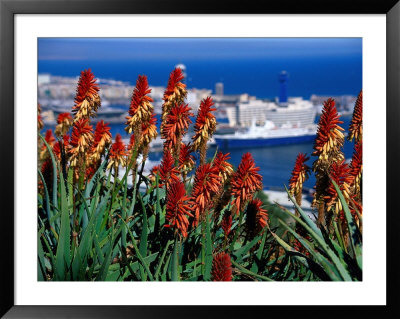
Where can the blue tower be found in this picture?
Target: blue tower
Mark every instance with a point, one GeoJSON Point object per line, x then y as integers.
{"type": "Point", "coordinates": [283, 96]}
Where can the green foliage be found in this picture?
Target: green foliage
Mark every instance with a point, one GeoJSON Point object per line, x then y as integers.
{"type": "Point", "coordinates": [108, 231]}
{"type": "Point", "coordinates": [326, 255]}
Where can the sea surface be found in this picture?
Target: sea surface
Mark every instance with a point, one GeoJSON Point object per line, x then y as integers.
{"type": "Point", "coordinates": [259, 77]}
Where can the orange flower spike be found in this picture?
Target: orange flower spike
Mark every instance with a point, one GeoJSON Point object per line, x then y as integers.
{"type": "Point", "coordinates": [81, 139]}
{"type": "Point", "coordinates": [329, 138]}
{"type": "Point", "coordinates": [206, 183]}
{"type": "Point", "coordinates": [356, 167]}
{"type": "Point", "coordinates": [49, 138]}
{"type": "Point", "coordinates": [149, 130]}
{"type": "Point", "coordinates": [176, 125]}
{"type": "Point", "coordinates": [256, 217]}
{"type": "Point", "coordinates": [87, 99]}
{"type": "Point", "coordinates": [175, 93]}
{"type": "Point", "coordinates": [245, 182]}
{"type": "Point", "coordinates": [186, 159]}
{"type": "Point", "coordinates": [355, 129]}
{"type": "Point", "coordinates": [221, 267]}
{"type": "Point", "coordinates": [141, 108]}
{"type": "Point", "coordinates": [118, 153]}
{"type": "Point", "coordinates": [300, 174]}
{"type": "Point", "coordinates": [177, 208]}
{"type": "Point", "coordinates": [64, 122]}
{"type": "Point", "coordinates": [168, 173]}
{"type": "Point", "coordinates": [340, 173]}
{"type": "Point", "coordinates": [225, 169]}
{"type": "Point", "coordinates": [102, 139]}
{"type": "Point", "coordinates": [205, 125]}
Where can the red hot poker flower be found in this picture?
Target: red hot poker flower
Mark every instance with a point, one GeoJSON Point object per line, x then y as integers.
{"type": "Point", "coordinates": [177, 208]}
{"type": "Point", "coordinates": [300, 174]}
{"type": "Point", "coordinates": [141, 108]}
{"type": "Point", "coordinates": [329, 138]}
{"type": "Point", "coordinates": [87, 99]}
{"type": "Point", "coordinates": [102, 139]}
{"type": "Point", "coordinates": [149, 131]}
{"type": "Point", "coordinates": [186, 159]}
{"type": "Point", "coordinates": [206, 183]}
{"type": "Point", "coordinates": [256, 217]}
{"type": "Point", "coordinates": [225, 169]}
{"type": "Point", "coordinates": [117, 153]}
{"type": "Point", "coordinates": [175, 127]}
{"type": "Point", "coordinates": [356, 168]}
{"type": "Point", "coordinates": [81, 139]}
{"type": "Point", "coordinates": [245, 182]}
{"type": "Point", "coordinates": [168, 173]}
{"type": "Point", "coordinates": [340, 174]}
{"type": "Point", "coordinates": [355, 130]}
{"type": "Point", "coordinates": [175, 93]}
{"type": "Point", "coordinates": [204, 127]}
{"type": "Point", "coordinates": [64, 122]}
{"type": "Point", "coordinates": [221, 267]}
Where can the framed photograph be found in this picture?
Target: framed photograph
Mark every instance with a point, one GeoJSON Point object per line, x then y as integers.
{"type": "Point", "coordinates": [168, 159]}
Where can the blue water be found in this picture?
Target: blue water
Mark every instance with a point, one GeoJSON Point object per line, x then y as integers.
{"type": "Point", "coordinates": [324, 66]}
{"type": "Point", "coordinates": [321, 76]}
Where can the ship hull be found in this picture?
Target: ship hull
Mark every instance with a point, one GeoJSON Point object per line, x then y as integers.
{"type": "Point", "coordinates": [225, 143]}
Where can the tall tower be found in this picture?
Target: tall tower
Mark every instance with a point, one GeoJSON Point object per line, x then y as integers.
{"type": "Point", "coordinates": [283, 95]}
{"type": "Point", "coordinates": [219, 88]}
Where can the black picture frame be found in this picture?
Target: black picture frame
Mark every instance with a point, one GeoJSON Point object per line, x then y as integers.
{"type": "Point", "coordinates": [8, 9]}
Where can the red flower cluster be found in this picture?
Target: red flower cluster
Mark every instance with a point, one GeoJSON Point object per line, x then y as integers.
{"type": "Point", "coordinates": [117, 153]}
{"type": "Point", "coordinates": [356, 168]}
{"type": "Point", "coordinates": [87, 99]}
{"type": "Point", "coordinates": [224, 168]}
{"type": "Point", "coordinates": [186, 159]}
{"type": "Point", "coordinates": [299, 174]}
{"type": "Point", "coordinates": [140, 109]}
{"type": "Point", "coordinates": [175, 92]}
{"type": "Point", "coordinates": [221, 267]}
{"type": "Point", "coordinates": [176, 125]}
{"type": "Point", "coordinates": [329, 136]}
{"type": "Point", "coordinates": [102, 139]}
{"type": "Point", "coordinates": [206, 183]}
{"type": "Point", "coordinates": [81, 139]}
{"type": "Point", "coordinates": [256, 217]}
{"type": "Point", "coordinates": [177, 208]}
{"type": "Point", "coordinates": [204, 127]}
{"type": "Point", "coordinates": [64, 122]}
{"type": "Point", "coordinates": [245, 182]}
{"type": "Point", "coordinates": [168, 173]}
{"type": "Point", "coordinates": [339, 172]}
{"type": "Point", "coordinates": [355, 129]}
